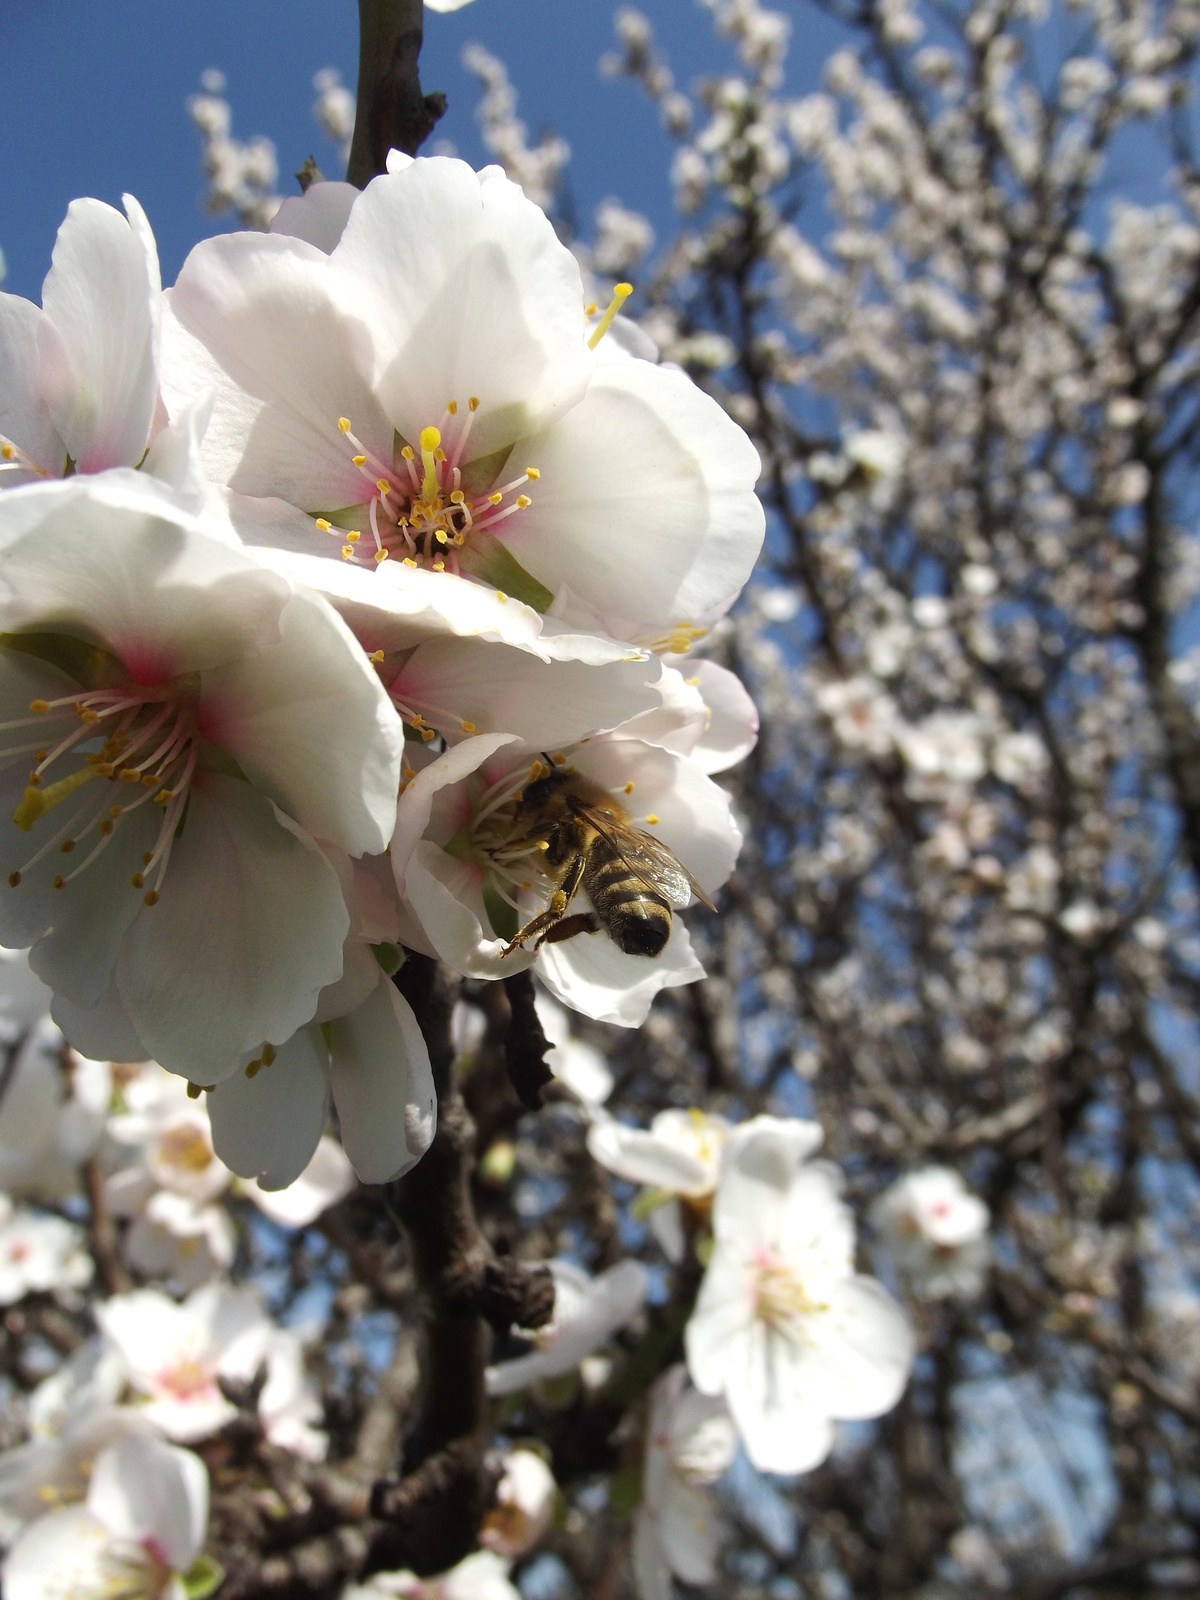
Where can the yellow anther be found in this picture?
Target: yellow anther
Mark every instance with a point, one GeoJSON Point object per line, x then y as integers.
{"type": "Point", "coordinates": [324, 524]}
{"type": "Point", "coordinates": [651, 818]}
{"type": "Point", "coordinates": [344, 424]}
{"type": "Point", "coordinates": [268, 1054]}
{"type": "Point", "coordinates": [532, 473]}
{"type": "Point", "coordinates": [14, 879]}
{"type": "Point", "coordinates": [383, 485]}
{"type": "Point", "coordinates": [427, 734]}
{"type": "Point", "coordinates": [137, 881]}
{"type": "Point", "coordinates": [495, 499]}
{"type": "Point", "coordinates": [501, 597]}
{"type": "Point", "coordinates": [417, 719]}
{"type": "Point", "coordinates": [67, 846]}
{"type": "Point", "coordinates": [347, 551]}
{"type": "Point", "coordinates": [7, 451]}
{"type": "Point", "coordinates": [621, 293]}
{"type": "Point", "coordinates": [558, 758]}
{"type": "Point", "coordinates": [115, 811]}
{"type": "Point", "coordinates": [629, 788]}
{"type": "Point", "coordinates": [543, 844]}
{"type": "Point", "coordinates": [439, 454]}
{"type": "Point", "coordinates": [692, 683]}
{"type": "Point", "coordinates": [353, 538]}
{"type": "Point", "coordinates": [467, 727]}
{"type": "Point", "coordinates": [430, 439]}
{"type": "Point", "coordinates": [409, 562]}
{"type": "Point", "coordinates": [381, 555]}
{"type": "Point", "coordinates": [473, 402]}
{"type": "Point", "coordinates": [407, 453]}
{"type": "Point", "coordinates": [163, 797]}
{"type": "Point", "coordinates": [253, 1068]}
{"type": "Point", "coordinates": [376, 655]}
{"type": "Point", "coordinates": [590, 309]}
{"type": "Point", "coordinates": [87, 716]}
{"type": "Point", "coordinates": [105, 826]}
{"type": "Point", "coordinates": [457, 497]}
{"type": "Point", "coordinates": [150, 898]}
{"type": "Point", "coordinates": [359, 461]}
{"type": "Point", "coordinates": [459, 538]}
{"type": "Point", "coordinates": [149, 779]}
{"type": "Point", "coordinates": [440, 535]}
{"type": "Point", "coordinates": [39, 705]}
{"type": "Point", "coordinates": [452, 407]}
{"type": "Point", "coordinates": [60, 883]}
{"type": "Point", "coordinates": [104, 769]}
{"type": "Point", "coordinates": [523, 500]}
{"type": "Point", "coordinates": [36, 801]}
{"type": "Point", "coordinates": [193, 1091]}
{"type": "Point", "coordinates": [147, 858]}
{"type": "Point", "coordinates": [439, 565]}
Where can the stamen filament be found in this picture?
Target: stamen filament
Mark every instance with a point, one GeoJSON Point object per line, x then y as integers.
{"type": "Point", "coordinates": [621, 293]}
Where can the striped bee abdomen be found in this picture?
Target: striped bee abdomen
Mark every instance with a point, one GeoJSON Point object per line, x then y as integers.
{"type": "Point", "coordinates": [636, 917]}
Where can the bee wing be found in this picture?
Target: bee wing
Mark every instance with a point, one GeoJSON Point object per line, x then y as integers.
{"type": "Point", "coordinates": [649, 859]}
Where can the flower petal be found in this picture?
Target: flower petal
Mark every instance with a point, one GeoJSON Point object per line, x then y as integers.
{"type": "Point", "coordinates": [382, 1086]}
{"type": "Point", "coordinates": [24, 415]}
{"type": "Point", "coordinates": [311, 725]}
{"type": "Point", "coordinates": [647, 476]}
{"type": "Point", "coordinates": [267, 1127]}
{"type": "Point", "coordinates": [319, 215]}
{"type": "Point", "coordinates": [467, 291]}
{"type": "Point", "coordinates": [101, 295]}
{"type": "Point", "coordinates": [142, 1489]}
{"type": "Point", "coordinates": [248, 930]}
{"type": "Point", "coordinates": [590, 974]}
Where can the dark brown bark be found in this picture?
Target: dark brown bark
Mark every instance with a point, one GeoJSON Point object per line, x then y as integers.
{"type": "Point", "coordinates": [392, 112]}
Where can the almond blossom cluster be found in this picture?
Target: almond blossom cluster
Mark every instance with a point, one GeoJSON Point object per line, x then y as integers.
{"type": "Point", "coordinates": [359, 535]}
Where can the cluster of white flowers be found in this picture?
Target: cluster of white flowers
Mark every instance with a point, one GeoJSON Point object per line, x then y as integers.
{"type": "Point", "coordinates": [336, 582]}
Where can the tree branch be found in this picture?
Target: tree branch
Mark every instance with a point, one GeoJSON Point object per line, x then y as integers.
{"type": "Point", "coordinates": [392, 112]}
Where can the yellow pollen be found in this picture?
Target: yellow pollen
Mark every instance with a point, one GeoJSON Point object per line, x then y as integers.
{"type": "Point", "coordinates": [359, 461]}
{"type": "Point", "coordinates": [193, 1091]}
{"type": "Point", "coordinates": [427, 734]}
{"type": "Point", "coordinates": [148, 780]}
{"type": "Point", "coordinates": [87, 715]}
{"type": "Point", "coordinates": [147, 858]}
{"type": "Point", "coordinates": [376, 655]}
{"type": "Point", "coordinates": [467, 727]}
{"type": "Point", "coordinates": [590, 309]}
{"type": "Point", "coordinates": [7, 451]}
{"type": "Point", "coordinates": [452, 407]}
{"type": "Point", "coordinates": [543, 844]}
{"type": "Point", "coordinates": [501, 597]}
{"type": "Point", "coordinates": [440, 535]}
{"type": "Point", "coordinates": [409, 562]}
{"type": "Point", "coordinates": [532, 473]}
{"type": "Point", "coordinates": [523, 500]}
{"type": "Point", "coordinates": [253, 1068]}
{"type": "Point", "coordinates": [381, 555]}
{"type": "Point", "coordinates": [268, 1054]}
{"type": "Point", "coordinates": [14, 879]}
{"type": "Point", "coordinates": [495, 499]}
{"type": "Point", "coordinates": [458, 538]}
{"type": "Point", "coordinates": [137, 881]}
{"type": "Point", "coordinates": [60, 883]}
{"type": "Point", "coordinates": [67, 846]}
{"type": "Point", "coordinates": [439, 454]}
{"type": "Point", "coordinates": [344, 424]}
{"type": "Point", "coordinates": [353, 538]}
{"type": "Point", "coordinates": [105, 826]}
{"type": "Point", "coordinates": [407, 453]}
{"type": "Point", "coordinates": [130, 775]}
{"type": "Point", "coordinates": [104, 769]}
{"type": "Point", "coordinates": [651, 818]}
{"type": "Point", "coordinates": [39, 705]}
{"type": "Point", "coordinates": [163, 797]}
{"type": "Point", "coordinates": [621, 293]}
{"type": "Point", "coordinates": [115, 811]}
{"type": "Point", "coordinates": [439, 565]}
{"type": "Point", "coordinates": [382, 485]}
{"type": "Point", "coordinates": [457, 497]}
{"type": "Point", "coordinates": [347, 551]}
{"type": "Point", "coordinates": [473, 402]}
{"type": "Point", "coordinates": [150, 898]}
{"type": "Point", "coordinates": [324, 524]}
{"type": "Point", "coordinates": [37, 801]}
{"type": "Point", "coordinates": [629, 788]}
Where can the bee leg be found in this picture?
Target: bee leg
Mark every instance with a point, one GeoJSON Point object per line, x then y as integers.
{"type": "Point", "coordinates": [568, 927]}
{"type": "Point", "coordinates": [559, 901]}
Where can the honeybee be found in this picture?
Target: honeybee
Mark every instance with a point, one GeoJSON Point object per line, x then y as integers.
{"type": "Point", "coordinates": [632, 879]}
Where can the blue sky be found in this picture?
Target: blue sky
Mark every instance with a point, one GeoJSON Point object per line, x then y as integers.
{"type": "Point", "coordinates": [94, 90]}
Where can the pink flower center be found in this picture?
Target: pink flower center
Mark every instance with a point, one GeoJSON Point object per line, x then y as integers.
{"type": "Point", "coordinates": [137, 742]}
{"type": "Point", "coordinates": [187, 1379]}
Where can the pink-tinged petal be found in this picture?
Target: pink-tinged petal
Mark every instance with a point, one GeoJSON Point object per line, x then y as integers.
{"type": "Point", "coordinates": [247, 932]}
{"type": "Point", "coordinates": [645, 505]}
{"type": "Point", "coordinates": [24, 416]}
{"type": "Point", "coordinates": [382, 1086]}
{"type": "Point", "coordinates": [101, 294]}
{"type": "Point", "coordinates": [267, 1127]}
{"type": "Point", "coordinates": [114, 559]}
{"type": "Point", "coordinates": [445, 894]}
{"type": "Point", "coordinates": [485, 302]}
{"type": "Point", "coordinates": [311, 725]}
{"type": "Point", "coordinates": [144, 1490]}
{"type": "Point", "coordinates": [64, 1552]}
{"type": "Point", "coordinates": [244, 296]}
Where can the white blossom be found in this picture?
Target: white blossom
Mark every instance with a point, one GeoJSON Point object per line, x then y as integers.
{"type": "Point", "coordinates": [936, 1231]}
{"type": "Point", "coordinates": [587, 1312]}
